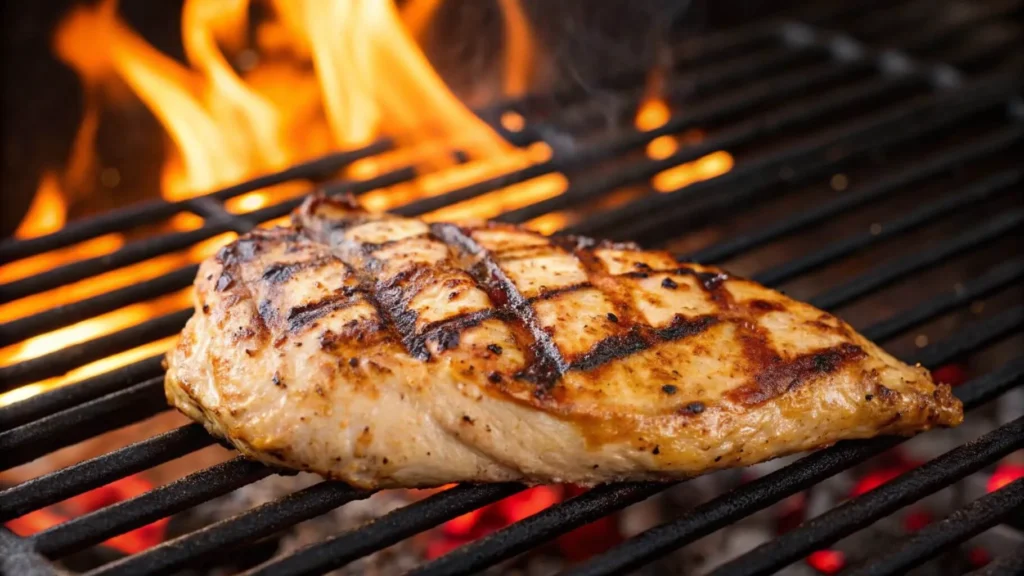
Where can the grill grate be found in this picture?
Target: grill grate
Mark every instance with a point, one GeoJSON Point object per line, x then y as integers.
{"type": "Point", "coordinates": [756, 92]}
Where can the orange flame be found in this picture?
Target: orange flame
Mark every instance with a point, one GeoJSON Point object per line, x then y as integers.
{"type": "Point", "coordinates": [47, 212]}
{"type": "Point", "coordinates": [654, 112]}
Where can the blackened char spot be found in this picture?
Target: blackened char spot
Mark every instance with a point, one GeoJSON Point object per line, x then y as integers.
{"type": "Point", "coordinates": [711, 280]}
{"type": "Point", "coordinates": [682, 327]}
{"type": "Point", "coordinates": [549, 293]}
{"type": "Point", "coordinates": [611, 348]}
{"type": "Point", "coordinates": [393, 297]}
{"type": "Point", "coordinates": [694, 407]}
{"type": "Point", "coordinates": [765, 306]}
{"type": "Point", "coordinates": [669, 283]}
{"type": "Point", "coordinates": [669, 389]}
{"type": "Point", "coordinates": [447, 339]}
{"type": "Point", "coordinates": [268, 313]}
{"type": "Point", "coordinates": [495, 349]}
{"type": "Point", "coordinates": [278, 272]}
{"type": "Point", "coordinates": [237, 252]}
{"type": "Point", "coordinates": [447, 332]}
{"type": "Point", "coordinates": [300, 316]}
{"type": "Point", "coordinates": [224, 281]}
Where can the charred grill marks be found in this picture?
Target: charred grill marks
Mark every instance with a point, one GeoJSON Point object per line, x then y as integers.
{"type": "Point", "coordinates": [640, 338]}
{"type": "Point", "coordinates": [300, 316]}
{"type": "Point", "coordinates": [548, 364]}
{"type": "Point", "coordinates": [554, 292]}
{"type": "Point", "coordinates": [393, 297]}
{"type": "Point", "coordinates": [779, 377]}
{"type": "Point", "coordinates": [389, 299]}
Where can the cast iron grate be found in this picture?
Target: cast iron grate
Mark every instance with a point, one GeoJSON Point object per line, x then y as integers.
{"type": "Point", "coordinates": [795, 106]}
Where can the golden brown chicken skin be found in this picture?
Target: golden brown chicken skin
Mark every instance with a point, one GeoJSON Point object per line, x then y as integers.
{"type": "Point", "coordinates": [389, 352]}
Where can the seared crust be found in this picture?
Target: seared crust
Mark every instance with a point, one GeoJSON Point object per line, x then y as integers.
{"type": "Point", "coordinates": [389, 352]}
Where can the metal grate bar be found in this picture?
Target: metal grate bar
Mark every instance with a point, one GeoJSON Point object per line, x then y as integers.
{"type": "Point", "coordinates": [997, 278]}
{"type": "Point", "coordinates": [939, 164]}
{"type": "Point", "coordinates": [28, 442]}
{"type": "Point", "coordinates": [386, 530]}
{"type": "Point", "coordinates": [131, 253]}
{"type": "Point", "coordinates": [918, 116]}
{"type": "Point", "coordinates": [856, 513]}
{"type": "Point", "coordinates": [749, 97]}
{"type": "Point", "coordinates": [771, 488]}
{"type": "Point", "coordinates": [95, 527]}
{"type": "Point", "coordinates": [63, 398]}
{"type": "Point", "coordinates": [356, 188]}
{"type": "Point", "coordinates": [973, 337]}
{"type": "Point", "coordinates": [60, 316]}
{"type": "Point", "coordinates": [67, 482]}
{"type": "Point", "coordinates": [71, 357]}
{"type": "Point", "coordinates": [895, 269]}
{"type": "Point", "coordinates": [729, 138]}
{"type": "Point", "coordinates": [927, 214]}
{"type": "Point", "coordinates": [937, 538]}
{"type": "Point", "coordinates": [253, 524]}
{"type": "Point", "coordinates": [122, 219]}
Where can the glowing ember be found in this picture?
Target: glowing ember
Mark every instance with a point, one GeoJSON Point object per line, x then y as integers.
{"type": "Point", "coordinates": [827, 561]}
{"type": "Point", "coordinates": [876, 478]}
{"type": "Point", "coordinates": [917, 520]}
{"type": "Point", "coordinates": [129, 543]}
{"type": "Point", "coordinates": [1005, 473]}
{"type": "Point", "coordinates": [576, 545]}
{"type": "Point", "coordinates": [952, 374]}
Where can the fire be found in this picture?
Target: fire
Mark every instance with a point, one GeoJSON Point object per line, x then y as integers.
{"type": "Point", "coordinates": [654, 112]}
{"type": "Point", "coordinates": [47, 212]}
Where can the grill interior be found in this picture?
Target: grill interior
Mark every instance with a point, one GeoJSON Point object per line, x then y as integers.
{"type": "Point", "coordinates": [877, 175]}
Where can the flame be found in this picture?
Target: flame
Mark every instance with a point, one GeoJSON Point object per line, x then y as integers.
{"type": "Point", "coordinates": [417, 15]}
{"type": "Point", "coordinates": [47, 212]}
{"type": "Point", "coordinates": [519, 48]}
{"type": "Point", "coordinates": [655, 112]}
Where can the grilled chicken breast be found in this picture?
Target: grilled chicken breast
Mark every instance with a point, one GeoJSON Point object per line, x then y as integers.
{"type": "Point", "coordinates": [389, 352]}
